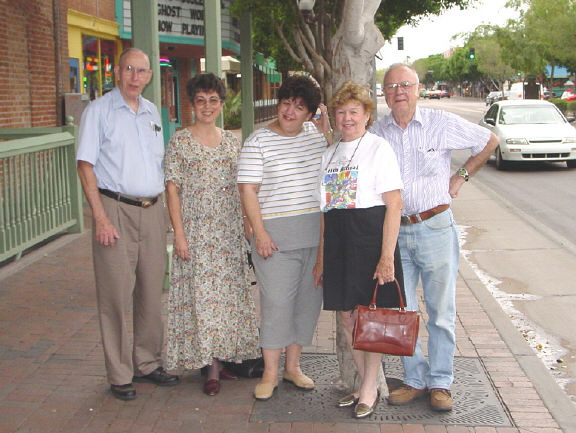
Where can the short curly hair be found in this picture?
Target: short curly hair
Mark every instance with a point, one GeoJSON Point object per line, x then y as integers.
{"type": "Point", "coordinates": [205, 83]}
{"type": "Point", "coordinates": [300, 86]}
{"type": "Point", "coordinates": [351, 91]}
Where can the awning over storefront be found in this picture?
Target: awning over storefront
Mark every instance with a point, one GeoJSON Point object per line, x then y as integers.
{"type": "Point", "coordinates": [268, 67]}
{"type": "Point", "coordinates": [230, 65]}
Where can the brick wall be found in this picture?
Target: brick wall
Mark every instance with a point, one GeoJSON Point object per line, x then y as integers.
{"type": "Point", "coordinates": [34, 62]}
{"type": "Point", "coordinates": [99, 8]}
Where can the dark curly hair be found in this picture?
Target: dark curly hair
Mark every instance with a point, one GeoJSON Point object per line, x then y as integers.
{"type": "Point", "coordinates": [300, 86]}
{"type": "Point", "coordinates": [206, 83]}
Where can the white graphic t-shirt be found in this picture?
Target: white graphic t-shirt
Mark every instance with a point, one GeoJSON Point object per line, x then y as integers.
{"type": "Point", "coordinates": [355, 174]}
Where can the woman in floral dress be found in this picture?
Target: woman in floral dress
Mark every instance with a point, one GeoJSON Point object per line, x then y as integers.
{"type": "Point", "coordinates": [211, 313]}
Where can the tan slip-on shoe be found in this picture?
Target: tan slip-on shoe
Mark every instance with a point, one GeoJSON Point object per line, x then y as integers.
{"type": "Point", "coordinates": [440, 400]}
{"type": "Point", "coordinates": [300, 381]}
{"type": "Point", "coordinates": [265, 390]}
{"type": "Point", "coordinates": [404, 395]}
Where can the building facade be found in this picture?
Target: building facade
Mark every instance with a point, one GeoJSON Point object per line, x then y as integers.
{"type": "Point", "coordinates": [61, 54]}
{"type": "Point", "coordinates": [34, 66]}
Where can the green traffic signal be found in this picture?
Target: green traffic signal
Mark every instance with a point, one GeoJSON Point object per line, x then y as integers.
{"type": "Point", "coordinates": [471, 53]}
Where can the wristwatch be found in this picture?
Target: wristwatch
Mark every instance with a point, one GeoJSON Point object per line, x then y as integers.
{"type": "Point", "coordinates": [462, 172]}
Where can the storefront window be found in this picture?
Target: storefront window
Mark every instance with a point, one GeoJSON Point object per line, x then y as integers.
{"type": "Point", "coordinates": [98, 65]}
{"type": "Point", "coordinates": [170, 93]}
{"type": "Point", "coordinates": [107, 53]}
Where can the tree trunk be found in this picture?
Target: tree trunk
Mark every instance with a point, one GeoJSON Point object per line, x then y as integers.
{"type": "Point", "coordinates": [348, 372]}
{"type": "Point", "coordinates": [354, 46]}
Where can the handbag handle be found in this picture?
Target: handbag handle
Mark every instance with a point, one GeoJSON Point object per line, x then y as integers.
{"type": "Point", "coordinates": [372, 305]}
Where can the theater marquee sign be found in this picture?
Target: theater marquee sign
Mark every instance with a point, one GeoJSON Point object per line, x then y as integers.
{"type": "Point", "coordinates": [185, 18]}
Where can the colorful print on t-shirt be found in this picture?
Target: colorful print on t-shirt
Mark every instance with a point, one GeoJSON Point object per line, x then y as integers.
{"type": "Point", "coordinates": [341, 185]}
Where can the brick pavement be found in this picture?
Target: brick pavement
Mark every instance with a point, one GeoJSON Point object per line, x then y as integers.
{"type": "Point", "coordinates": [53, 378]}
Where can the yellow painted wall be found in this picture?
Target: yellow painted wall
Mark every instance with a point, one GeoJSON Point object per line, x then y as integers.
{"type": "Point", "coordinates": [82, 24]}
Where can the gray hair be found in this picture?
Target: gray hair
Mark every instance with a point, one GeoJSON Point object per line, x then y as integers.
{"type": "Point", "coordinates": [401, 65]}
{"type": "Point", "coordinates": [133, 50]}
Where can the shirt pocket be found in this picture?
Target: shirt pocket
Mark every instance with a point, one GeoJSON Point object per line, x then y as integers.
{"type": "Point", "coordinates": [429, 160]}
{"type": "Point", "coordinates": [153, 139]}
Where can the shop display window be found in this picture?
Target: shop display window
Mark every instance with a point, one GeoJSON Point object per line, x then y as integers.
{"type": "Point", "coordinates": [98, 65]}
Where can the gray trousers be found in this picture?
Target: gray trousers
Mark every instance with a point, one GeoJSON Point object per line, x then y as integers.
{"type": "Point", "coordinates": [289, 303]}
{"type": "Point", "coordinates": [129, 276]}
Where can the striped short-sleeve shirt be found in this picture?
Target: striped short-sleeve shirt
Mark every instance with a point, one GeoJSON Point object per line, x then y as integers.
{"type": "Point", "coordinates": [286, 168]}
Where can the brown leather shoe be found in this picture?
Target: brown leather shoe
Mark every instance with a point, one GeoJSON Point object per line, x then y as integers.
{"type": "Point", "coordinates": [404, 395]}
{"type": "Point", "coordinates": [440, 400]}
{"type": "Point", "coordinates": [212, 387]}
{"type": "Point", "coordinates": [227, 374]}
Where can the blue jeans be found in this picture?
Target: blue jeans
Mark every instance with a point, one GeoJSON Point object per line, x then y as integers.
{"type": "Point", "coordinates": [430, 251]}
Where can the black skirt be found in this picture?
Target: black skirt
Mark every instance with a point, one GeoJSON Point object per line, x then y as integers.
{"type": "Point", "coordinates": [352, 249]}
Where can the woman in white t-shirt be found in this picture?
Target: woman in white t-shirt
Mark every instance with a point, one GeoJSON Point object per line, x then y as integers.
{"type": "Point", "coordinates": [360, 198]}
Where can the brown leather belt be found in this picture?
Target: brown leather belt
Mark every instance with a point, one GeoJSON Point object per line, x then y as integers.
{"type": "Point", "coordinates": [117, 196]}
{"type": "Point", "coordinates": [423, 216]}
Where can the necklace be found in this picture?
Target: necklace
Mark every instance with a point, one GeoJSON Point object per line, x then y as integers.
{"type": "Point", "coordinates": [336, 149]}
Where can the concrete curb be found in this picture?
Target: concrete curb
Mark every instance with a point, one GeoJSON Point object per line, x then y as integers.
{"type": "Point", "coordinates": [558, 403]}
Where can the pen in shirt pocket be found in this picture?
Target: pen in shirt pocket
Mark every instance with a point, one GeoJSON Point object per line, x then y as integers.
{"type": "Point", "coordinates": [156, 128]}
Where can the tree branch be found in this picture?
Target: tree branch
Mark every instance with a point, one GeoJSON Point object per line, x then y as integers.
{"type": "Point", "coordinates": [315, 55]}
{"type": "Point", "coordinates": [286, 44]}
{"type": "Point", "coordinates": [309, 66]}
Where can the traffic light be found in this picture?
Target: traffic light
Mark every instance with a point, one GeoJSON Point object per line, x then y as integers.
{"type": "Point", "coordinates": [471, 53]}
{"type": "Point", "coordinates": [400, 43]}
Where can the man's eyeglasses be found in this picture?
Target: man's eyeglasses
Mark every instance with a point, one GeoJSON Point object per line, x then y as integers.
{"type": "Point", "coordinates": [210, 101]}
{"type": "Point", "coordinates": [404, 85]}
{"type": "Point", "coordinates": [140, 72]}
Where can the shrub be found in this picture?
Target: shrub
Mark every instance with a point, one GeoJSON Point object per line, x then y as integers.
{"type": "Point", "coordinates": [232, 110]}
{"type": "Point", "coordinates": [560, 103]}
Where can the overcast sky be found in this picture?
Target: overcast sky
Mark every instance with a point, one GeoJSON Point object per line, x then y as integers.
{"type": "Point", "coordinates": [433, 35]}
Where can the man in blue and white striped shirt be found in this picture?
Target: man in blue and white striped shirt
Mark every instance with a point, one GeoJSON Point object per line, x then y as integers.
{"type": "Point", "coordinates": [423, 140]}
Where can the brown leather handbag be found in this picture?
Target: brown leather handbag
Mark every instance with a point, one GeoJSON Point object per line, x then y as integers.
{"type": "Point", "coordinates": [386, 330]}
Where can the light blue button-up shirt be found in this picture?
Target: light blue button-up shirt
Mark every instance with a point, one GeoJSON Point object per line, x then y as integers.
{"type": "Point", "coordinates": [424, 150]}
{"type": "Point", "coordinates": [125, 148]}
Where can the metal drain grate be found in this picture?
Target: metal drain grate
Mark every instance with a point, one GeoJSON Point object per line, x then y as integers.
{"type": "Point", "coordinates": [475, 403]}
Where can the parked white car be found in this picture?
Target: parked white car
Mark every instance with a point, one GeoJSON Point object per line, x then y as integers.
{"type": "Point", "coordinates": [530, 131]}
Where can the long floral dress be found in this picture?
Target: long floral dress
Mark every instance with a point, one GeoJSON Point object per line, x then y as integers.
{"type": "Point", "coordinates": [211, 312]}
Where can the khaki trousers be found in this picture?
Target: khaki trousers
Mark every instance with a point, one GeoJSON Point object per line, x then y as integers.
{"type": "Point", "coordinates": [129, 276]}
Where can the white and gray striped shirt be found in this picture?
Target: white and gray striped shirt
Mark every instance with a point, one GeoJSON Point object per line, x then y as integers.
{"type": "Point", "coordinates": [286, 168]}
{"type": "Point", "coordinates": [424, 150]}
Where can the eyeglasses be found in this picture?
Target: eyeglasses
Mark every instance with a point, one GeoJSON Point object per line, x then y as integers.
{"type": "Point", "coordinates": [404, 85]}
{"type": "Point", "coordinates": [213, 101]}
{"type": "Point", "coordinates": [140, 72]}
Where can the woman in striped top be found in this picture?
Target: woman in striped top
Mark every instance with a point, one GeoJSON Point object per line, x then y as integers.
{"type": "Point", "coordinates": [277, 173]}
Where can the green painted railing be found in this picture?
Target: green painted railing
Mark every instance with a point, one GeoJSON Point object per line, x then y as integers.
{"type": "Point", "coordinates": [40, 193]}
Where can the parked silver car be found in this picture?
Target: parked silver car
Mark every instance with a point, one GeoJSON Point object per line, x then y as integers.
{"type": "Point", "coordinates": [496, 96]}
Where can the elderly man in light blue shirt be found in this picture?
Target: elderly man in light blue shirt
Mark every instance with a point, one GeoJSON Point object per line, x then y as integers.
{"type": "Point", "coordinates": [120, 156]}
{"type": "Point", "coordinates": [423, 140]}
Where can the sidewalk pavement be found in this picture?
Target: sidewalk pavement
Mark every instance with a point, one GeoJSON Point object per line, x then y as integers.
{"type": "Point", "coordinates": [53, 378]}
